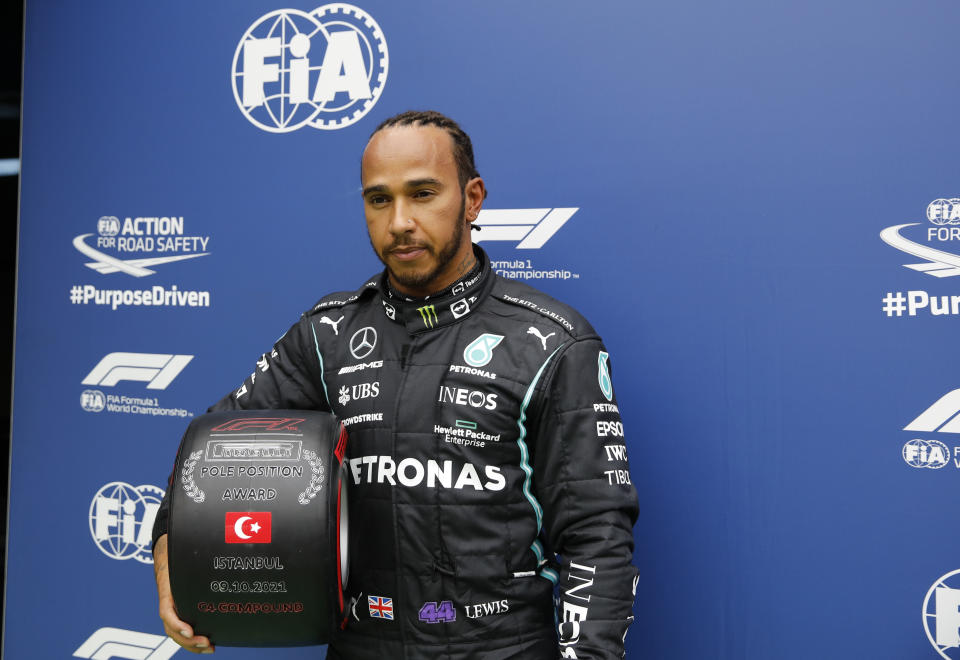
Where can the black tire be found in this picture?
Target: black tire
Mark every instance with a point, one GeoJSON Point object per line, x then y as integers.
{"type": "Point", "coordinates": [258, 532]}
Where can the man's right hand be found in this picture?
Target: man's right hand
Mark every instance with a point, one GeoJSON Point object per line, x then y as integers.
{"type": "Point", "coordinates": [179, 631]}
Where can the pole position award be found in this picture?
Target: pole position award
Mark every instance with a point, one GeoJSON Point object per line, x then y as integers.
{"type": "Point", "coordinates": [258, 527]}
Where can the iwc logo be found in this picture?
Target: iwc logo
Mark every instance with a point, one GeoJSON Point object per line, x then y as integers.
{"type": "Point", "coordinates": [326, 68]}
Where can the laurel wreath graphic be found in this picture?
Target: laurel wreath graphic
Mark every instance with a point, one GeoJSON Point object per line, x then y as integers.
{"type": "Point", "coordinates": [316, 478]}
{"type": "Point", "coordinates": [193, 492]}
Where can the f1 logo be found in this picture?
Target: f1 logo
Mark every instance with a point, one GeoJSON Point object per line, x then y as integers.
{"type": "Point", "coordinates": [941, 416]}
{"type": "Point", "coordinates": [264, 423]}
{"type": "Point", "coordinates": [108, 643]}
{"type": "Point", "coordinates": [247, 527]}
{"type": "Point", "coordinates": [156, 369]}
{"type": "Point", "coordinates": [532, 227]}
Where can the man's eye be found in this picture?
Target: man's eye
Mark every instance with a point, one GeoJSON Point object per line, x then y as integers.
{"type": "Point", "coordinates": [423, 194]}
{"type": "Point", "coordinates": [376, 200]}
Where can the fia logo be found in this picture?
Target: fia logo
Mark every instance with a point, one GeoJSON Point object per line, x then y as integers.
{"type": "Point", "coordinates": [121, 520]}
{"type": "Point", "coordinates": [163, 234]}
{"type": "Point", "coordinates": [944, 215]}
{"type": "Point", "coordinates": [931, 454]}
{"type": "Point", "coordinates": [325, 69]}
{"type": "Point", "coordinates": [941, 615]}
{"type": "Point", "coordinates": [93, 400]}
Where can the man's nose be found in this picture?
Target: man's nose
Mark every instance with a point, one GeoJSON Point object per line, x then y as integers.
{"type": "Point", "coordinates": [401, 219]}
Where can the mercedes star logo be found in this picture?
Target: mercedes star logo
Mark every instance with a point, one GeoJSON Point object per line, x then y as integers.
{"type": "Point", "coordinates": [362, 342]}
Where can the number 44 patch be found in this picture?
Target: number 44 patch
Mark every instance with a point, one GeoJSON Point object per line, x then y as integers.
{"type": "Point", "coordinates": [442, 612]}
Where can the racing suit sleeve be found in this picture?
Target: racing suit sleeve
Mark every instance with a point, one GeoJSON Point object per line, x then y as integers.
{"type": "Point", "coordinates": [289, 376]}
{"type": "Point", "coordinates": [582, 479]}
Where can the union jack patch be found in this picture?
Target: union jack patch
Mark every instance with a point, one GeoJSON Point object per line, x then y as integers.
{"type": "Point", "coordinates": [380, 607]}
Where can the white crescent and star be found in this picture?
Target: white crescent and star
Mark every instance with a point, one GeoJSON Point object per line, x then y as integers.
{"type": "Point", "coordinates": [238, 527]}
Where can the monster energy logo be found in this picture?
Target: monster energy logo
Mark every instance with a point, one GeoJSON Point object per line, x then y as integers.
{"type": "Point", "coordinates": [429, 315]}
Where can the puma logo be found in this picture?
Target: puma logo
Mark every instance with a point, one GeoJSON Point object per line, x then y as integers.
{"type": "Point", "coordinates": [543, 340]}
{"type": "Point", "coordinates": [333, 324]}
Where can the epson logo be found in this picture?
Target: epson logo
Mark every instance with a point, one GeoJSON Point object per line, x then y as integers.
{"type": "Point", "coordinates": [411, 473]}
{"type": "Point", "coordinates": [465, 397]}
{"type": "Point", "coordinates": [253, 450]}
{"type": "Point", "coordinates": [610, 428]}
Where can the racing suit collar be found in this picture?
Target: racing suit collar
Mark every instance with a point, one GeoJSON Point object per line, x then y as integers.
{"type": "Point", "coordinates": [450, 305]}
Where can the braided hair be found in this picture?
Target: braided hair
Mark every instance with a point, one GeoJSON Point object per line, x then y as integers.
{"type": "Point", "coordinates": [462, 147]}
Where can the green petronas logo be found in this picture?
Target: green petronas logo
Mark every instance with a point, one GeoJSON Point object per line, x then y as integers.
{"type": "Point", "coordinates": [603, 375]}
{"type": "Point", "coordinates": [429, 315]}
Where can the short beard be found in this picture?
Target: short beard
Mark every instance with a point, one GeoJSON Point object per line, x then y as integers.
{"type": "Point", "coordinates": [444, 257]}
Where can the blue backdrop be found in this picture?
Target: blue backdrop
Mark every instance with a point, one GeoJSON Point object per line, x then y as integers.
{"type": "Point", "coordinates": [725, 171]}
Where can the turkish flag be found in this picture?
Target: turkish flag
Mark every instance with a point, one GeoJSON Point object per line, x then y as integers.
{"type": "Point", "coordinates": [247, 527]}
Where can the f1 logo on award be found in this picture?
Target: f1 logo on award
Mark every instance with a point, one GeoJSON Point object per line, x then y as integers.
{"type": "Point", "coordinates": [247, 527]}
{"type": "Point", "coordinates": [326, 68]}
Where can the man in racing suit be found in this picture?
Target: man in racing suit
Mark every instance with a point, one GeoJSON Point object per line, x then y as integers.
{"type": "Point", "coordinates": [486, 455]}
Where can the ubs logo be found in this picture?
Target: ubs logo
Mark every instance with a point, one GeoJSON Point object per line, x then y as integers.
{"type": "Point", "coordinates": [325, 68]}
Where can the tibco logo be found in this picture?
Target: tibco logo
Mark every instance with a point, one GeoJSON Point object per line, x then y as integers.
{"type": "Point", "coordinates": [942, 605]}
{"type": "Point", "coordinates": [531, 227]}
{"type": "Point", "coordinates": [326, 68]}
{"type": "Point", "coordinates": [108, 643]}
{"type": "Point", "coordinates": [121, 520]}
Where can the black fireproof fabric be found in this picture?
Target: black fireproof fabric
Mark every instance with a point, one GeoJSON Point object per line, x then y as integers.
{"type": "Point", "coordinates": [488, 469]}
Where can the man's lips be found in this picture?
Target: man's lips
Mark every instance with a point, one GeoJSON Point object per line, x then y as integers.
{"type": "Point", "coordinates": [408, 252]}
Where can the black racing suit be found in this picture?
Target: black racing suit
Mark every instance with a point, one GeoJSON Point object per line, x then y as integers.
{"type": "Point", "coordinates": [487, 465]}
